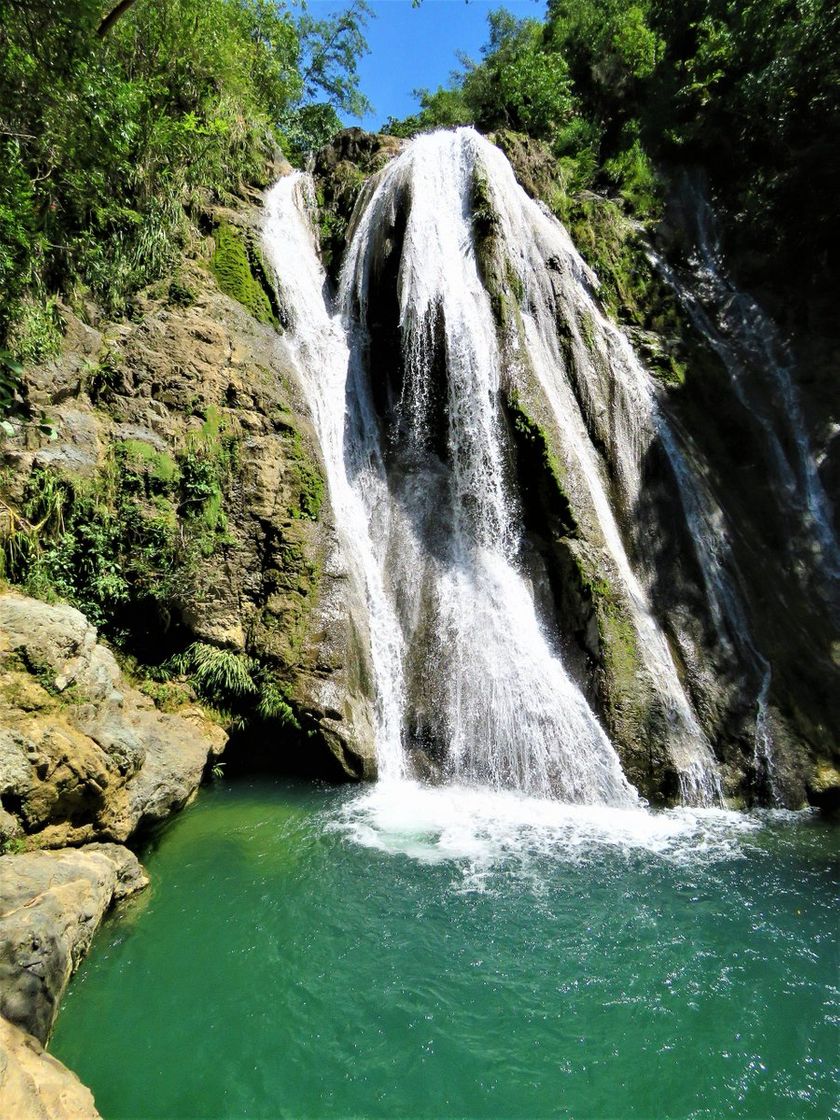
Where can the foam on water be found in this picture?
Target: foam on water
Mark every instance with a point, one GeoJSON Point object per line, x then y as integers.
{"type": "Point", "coordinates": [485, 831]}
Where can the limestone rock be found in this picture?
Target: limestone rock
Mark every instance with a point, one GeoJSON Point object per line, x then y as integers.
{"type": "Point", "coordinates": [83, 755]}
{"type": "Point", "coordinates": [36, 1086]}
{"type": "Point", "coordinates": [274, 589]}
{"type": "Point", "coordinates": [51, 904]}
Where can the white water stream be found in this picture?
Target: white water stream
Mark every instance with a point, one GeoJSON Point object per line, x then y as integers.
{"type": "Point", "coordinates": [465, 674]}
{"type": "Point", "coordinates": [753, 351]}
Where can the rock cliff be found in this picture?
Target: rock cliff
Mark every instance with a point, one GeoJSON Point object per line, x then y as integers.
{"type": "Point", "coordinates": [181, 474]}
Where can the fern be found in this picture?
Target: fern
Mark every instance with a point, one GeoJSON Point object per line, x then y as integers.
{"type": "Point", "coordinates": [217, 673]}
{"type": "Point", "coordinates": [274, 705]}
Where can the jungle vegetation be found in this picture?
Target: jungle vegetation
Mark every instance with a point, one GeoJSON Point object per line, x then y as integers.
{"type": "Point", "coordinates": [622, 90]}
{"type": "Point", "coordinates": [118, 120]}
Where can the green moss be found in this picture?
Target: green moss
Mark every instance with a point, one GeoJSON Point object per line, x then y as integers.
{"type": "Point", "coordinates": [501, 280]}
{"type": "Point", "coordinates": [141, 457]}
{"type": "Point", "coordinates": [208, 465]}
{"type": "Point", "coordinates": [484, 216]}
{"type": "Point", "coordinates": [179, 294]}
{"type": "Point", "coordinates": [617, 637]}
{"type": "Point", "coordinates": [307, 478]}
{"type": "Point", "coordinates": [231, 266]}
{"type": "Point", "coordinates": [618, 641]}
{"type": "Point", "coordinates": [540, 457]}
{"type": "Point", "coordinates": [587, 331]}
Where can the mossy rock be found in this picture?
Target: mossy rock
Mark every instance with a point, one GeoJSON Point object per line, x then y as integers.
{"type": "Point", "coordinates": [139, 457]}
{"type": "Point", "coordinates": [231, 265]}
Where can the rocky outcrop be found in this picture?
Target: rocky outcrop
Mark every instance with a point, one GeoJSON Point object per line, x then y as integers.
{"type": "Point", "coordinates": [341, 170]}
{"type": "Point", "coordinates": [83, 755]}
{"type": "Point", "coordinates": [190, 413]}
{"type": "Point", "coordinates": [51, 904]}
{"type": "Point", "coordinates": [34, 1085]}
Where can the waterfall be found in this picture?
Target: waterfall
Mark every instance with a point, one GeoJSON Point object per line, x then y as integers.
{"type": "Point", "coordinates": [759, 365]}
{"type": "Point", "coordinates": [403, 372]}
{"type": "Point", "coordinates": [602, 391]}
{"type": "Point", "coordinates": [760, 369]}
{"type": "Point", "coordinates": [322, 355]}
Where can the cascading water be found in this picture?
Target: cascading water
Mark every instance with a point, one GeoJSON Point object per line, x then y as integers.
{"type": "Point", "coordinates": [467, 678]}
{"type": "Point", "coordinates": [754, 355]}
{"type": "Point", "coordinates": [324, 361]}
{"type": "Point", "coordinates": [759, 365]}
{"type": "Point", "coordinates": [601, 390]}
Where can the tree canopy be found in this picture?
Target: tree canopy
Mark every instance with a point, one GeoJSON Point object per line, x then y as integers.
{"type": "Point", "coordinates": [114, 118]}
{"type": "Point", "coordinates": [623, 89]}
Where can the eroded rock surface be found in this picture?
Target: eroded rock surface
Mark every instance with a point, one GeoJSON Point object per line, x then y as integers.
{"type": "Point", "coordinates": [83, 755]}
{"type": "Point", "coordinates": [51, 904]}
{"type": "Point", "coordinates": [36, 1086]}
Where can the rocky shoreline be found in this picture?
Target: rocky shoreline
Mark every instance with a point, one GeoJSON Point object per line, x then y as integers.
{"type": "Point", "coordinates": [86, 760]}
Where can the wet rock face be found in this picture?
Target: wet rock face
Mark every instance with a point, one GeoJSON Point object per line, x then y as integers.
{"type": "Point", "coordinates": [83, 755]}
{"type": "Point", "coordinates": [51, 904]}
{"type": "Point", "coordinates": [341, 169]}
{"type": "Point", "coordinates": [34, 1085]}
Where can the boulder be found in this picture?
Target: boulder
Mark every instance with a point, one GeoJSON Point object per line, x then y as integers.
{"type": "Point", "coordinates": [83, 755]}
{"type": "Point", "coordinates": [51, 904]}
{"type": "Point", "coordinates": [36, 1086]}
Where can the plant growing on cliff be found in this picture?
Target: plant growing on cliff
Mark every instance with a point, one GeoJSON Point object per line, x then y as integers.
{"type": "Point", "coordinates": [207, 467]}
{"type": "Point", "coordinates": [621, 88]}
{"type": "Point", "coordinates": [233, 683]}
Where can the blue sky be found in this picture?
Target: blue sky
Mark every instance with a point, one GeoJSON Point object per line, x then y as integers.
{"type": "Point", "coordinates": [412, 48]}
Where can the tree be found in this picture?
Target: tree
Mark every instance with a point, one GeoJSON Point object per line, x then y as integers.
{"type": "Point", "coordinates": [111, 18]}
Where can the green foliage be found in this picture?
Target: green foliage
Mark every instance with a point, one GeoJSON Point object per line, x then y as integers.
{"type": "Point", "coordinates": [233, 683]}
{"type": "Point", "coordinates": [37, 332]}
{"type": "Point", "coordinates": [107, 144]}
{"type": "Point", "coordinates": [751, 90]}
{"type": "Point", "coordinates": [330, 49]}
{"type": "Point", "coordinates": [519, 85]}
{"type": "Point", "coordinates": [232, 269]}
{"type": "Point", "coordinates": [218, 674]}
{"type": "Point", "coordinates": [132, 535]}
{"type": "Point", "coordinates": [440, 108]}
{"type": "Point", "coordinates": [631, 172]}
{"type": "Point", "coordinates": [102, 377]}
{"type": "Point", "coordinates": [308, 481]}
{"type": "Point", "coordinates": [10, 385]}
{"type": "Point", "coordinates": [207, 467]}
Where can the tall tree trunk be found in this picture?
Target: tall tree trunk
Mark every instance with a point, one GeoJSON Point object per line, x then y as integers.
{"type": "Point", "coordinates": [112, 17]}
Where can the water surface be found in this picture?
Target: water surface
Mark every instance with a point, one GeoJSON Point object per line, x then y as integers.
{"type": "Point", "coordinates": [410, 952]}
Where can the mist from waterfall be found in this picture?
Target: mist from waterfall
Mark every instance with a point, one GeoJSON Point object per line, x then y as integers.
{"type": "Point", "coordinates": [470, 682]}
